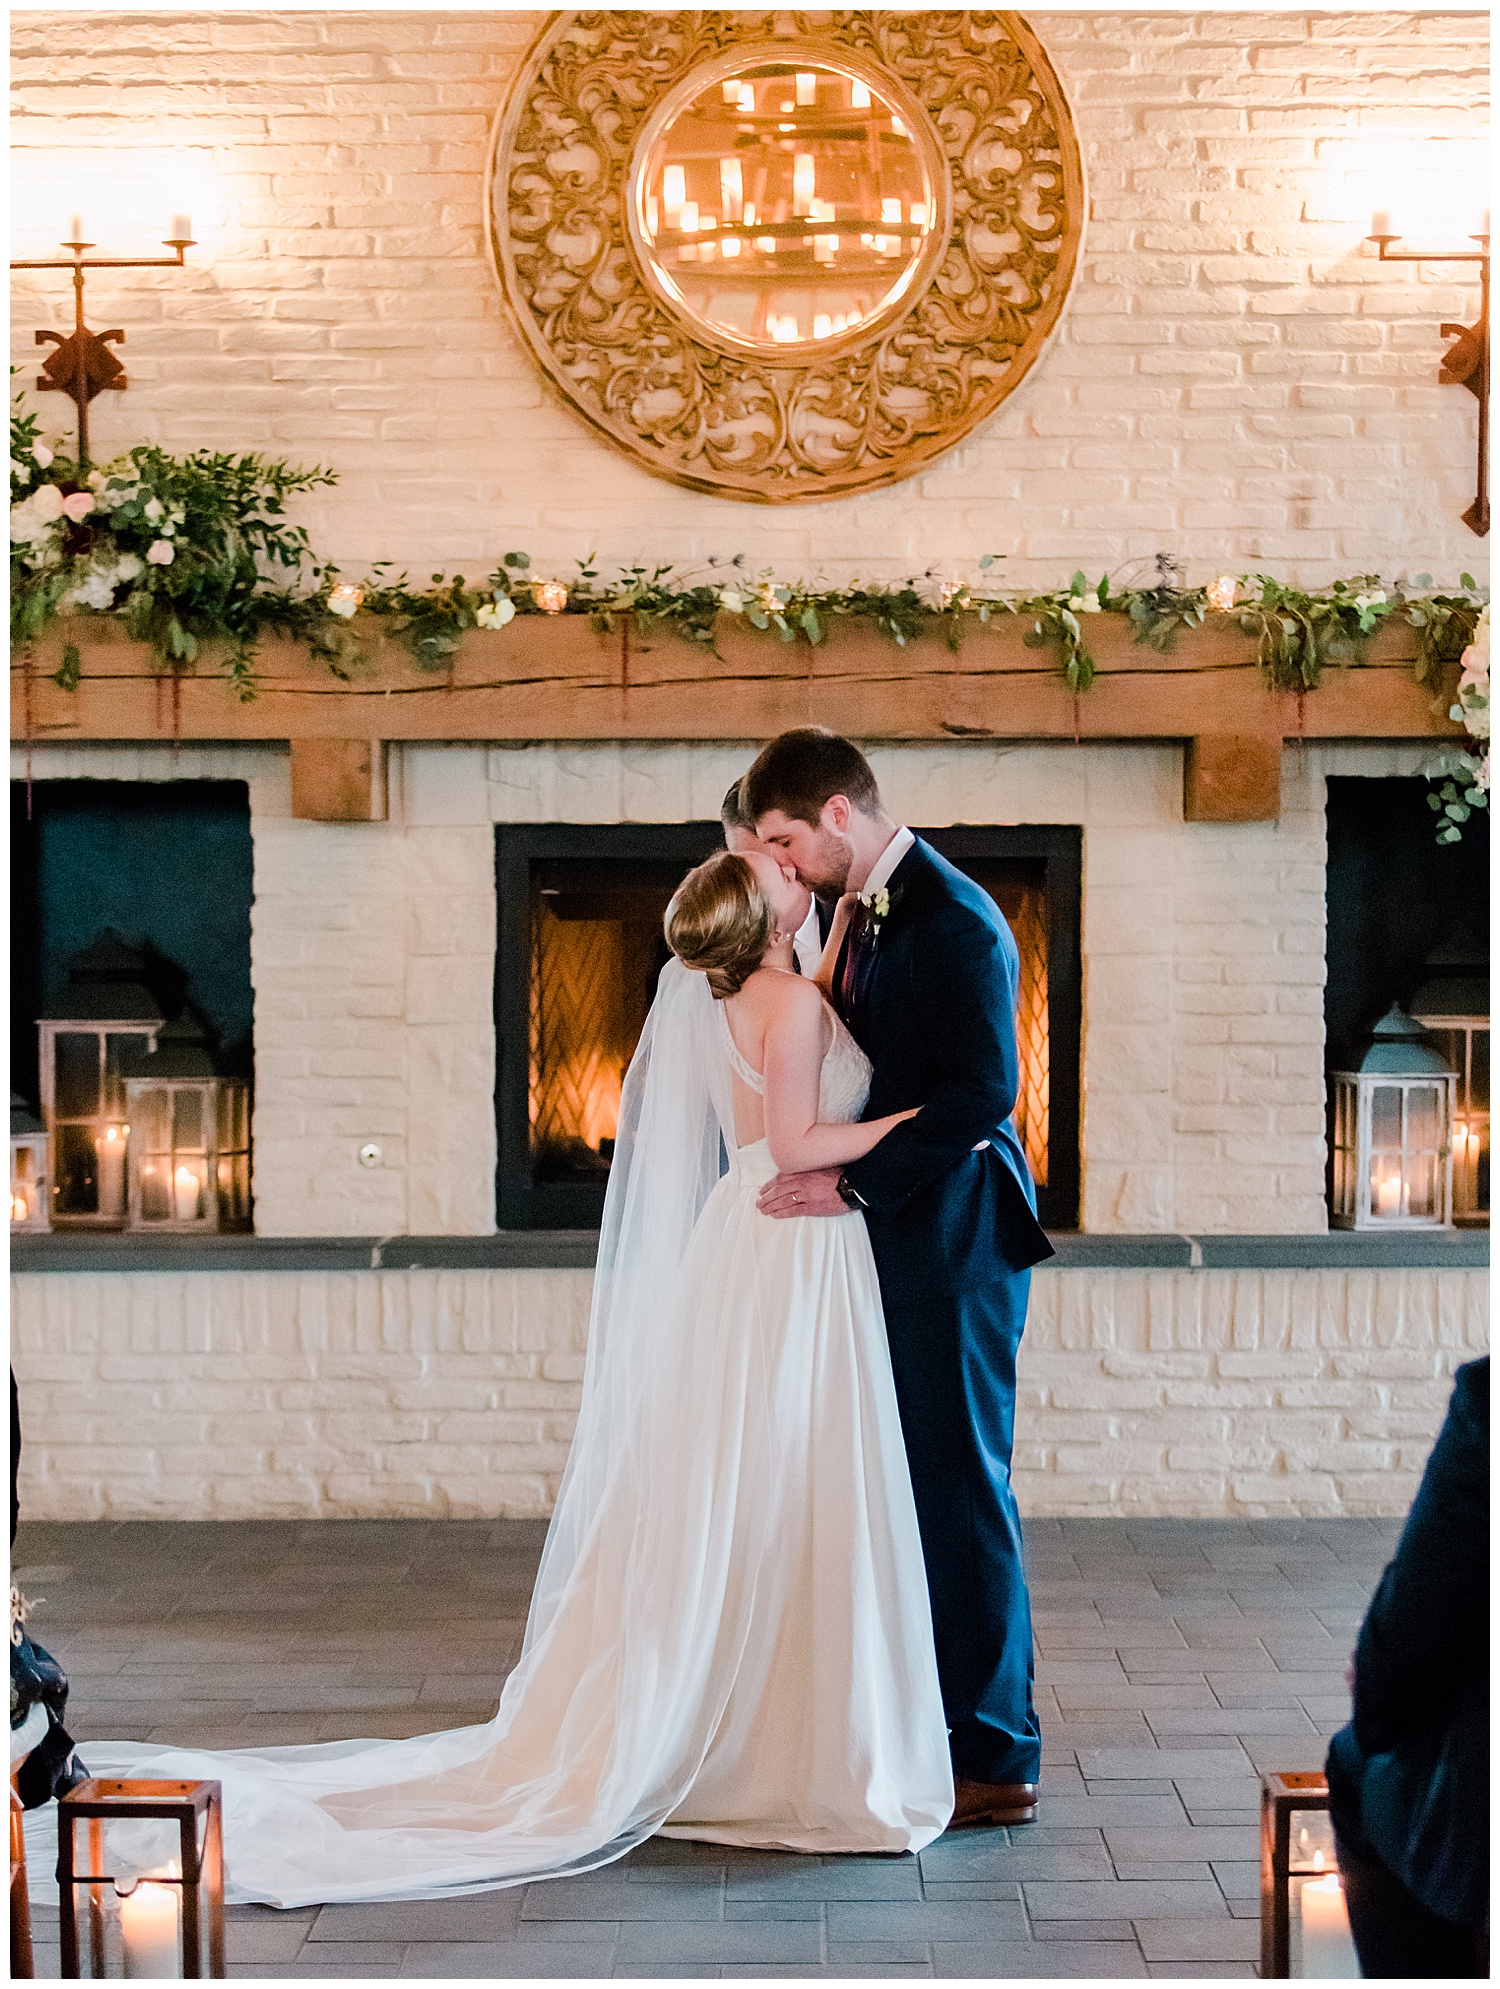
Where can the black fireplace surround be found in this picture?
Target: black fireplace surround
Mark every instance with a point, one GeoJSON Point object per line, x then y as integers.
{"type": "Point", "coordinates": [579, 948]}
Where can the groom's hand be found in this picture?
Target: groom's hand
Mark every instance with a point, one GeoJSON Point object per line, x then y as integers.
{"type": "Point", "coordinates": [813, 1194]}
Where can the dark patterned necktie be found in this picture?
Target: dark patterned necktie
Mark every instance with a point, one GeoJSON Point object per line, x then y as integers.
{"type": "Point", "coordinates": [857, 953]}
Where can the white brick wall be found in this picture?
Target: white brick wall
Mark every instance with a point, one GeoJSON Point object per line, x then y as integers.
{"type": "Point", "coordinates": [428, 1393]}
{"type": "Point", "coordinates": [1235, 380]}
{"type": "Point", "coordinates": [372, 957]}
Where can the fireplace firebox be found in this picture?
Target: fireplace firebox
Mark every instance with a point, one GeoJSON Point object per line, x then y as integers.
{"type": "Point", "coordinates": [579, 950]}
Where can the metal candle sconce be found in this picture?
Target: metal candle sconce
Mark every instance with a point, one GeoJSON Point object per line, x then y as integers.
{"type": "Point", "coordinates": [1466, 364]}
{"type": "Point", "coordinates": [83, 365]}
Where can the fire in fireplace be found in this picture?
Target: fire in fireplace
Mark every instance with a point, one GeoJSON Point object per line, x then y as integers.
{"type": "Point", "coordinates": [580, 948]}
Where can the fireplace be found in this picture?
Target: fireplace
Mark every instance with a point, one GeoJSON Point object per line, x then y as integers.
{"type": "Point", "coordinates": [579, 949]}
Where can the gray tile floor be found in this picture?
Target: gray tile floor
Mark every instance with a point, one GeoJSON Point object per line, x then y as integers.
{"type": "Point", "coordinates": [1175, 1659]}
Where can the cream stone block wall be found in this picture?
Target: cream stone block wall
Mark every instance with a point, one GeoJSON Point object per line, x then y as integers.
{"type": "Point", "coordinates": [1235, 380]}
{"type": "Point", "coordinates": [372, 950]}
{"type": "Point", "coordinates": [408, 1394]}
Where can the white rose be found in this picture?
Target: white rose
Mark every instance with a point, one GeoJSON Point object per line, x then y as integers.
{"type": "Point", "coordinates": [47, 503]}
{"type": "Point", "coordinates": [496, 613]}
{"type": "Point", "coordinates": [42, 454]}
{"type": "Point", "coordinates": [77, 505]}
{"type": "Point", "coordinates": [96, 480]}
{"type": "Point", "coordinates": [152, 510]}
{"type": "Point", "coordinates": [19, 469]}
{"type": "Point", "coordinates": [1086, 604]}
{"type": "Point", "coordinates": [129, 567]}
{"type": "Point", "coordinates": [732, 601]}
{"type": "Point", "coordinates": [96, 590]}
{"type": "Point", "coordinates": [161, 552]}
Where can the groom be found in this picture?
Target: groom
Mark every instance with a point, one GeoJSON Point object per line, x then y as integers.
{"type": "Point", "coordinates": [926, 982]}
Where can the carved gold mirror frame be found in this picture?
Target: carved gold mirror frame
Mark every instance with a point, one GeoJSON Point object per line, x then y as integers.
{"type": "Point", "coordinates": [863, 405]}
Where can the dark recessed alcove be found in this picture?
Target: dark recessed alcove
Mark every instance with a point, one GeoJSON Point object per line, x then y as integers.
{"type": "Point", "coordinates": [1395, 894]}
{"type": "Point", "coordinates": [168, 865]}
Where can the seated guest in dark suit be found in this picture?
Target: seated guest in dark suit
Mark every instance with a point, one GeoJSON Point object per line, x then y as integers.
{"type": "Point", "coordinates": [1408, 1777]}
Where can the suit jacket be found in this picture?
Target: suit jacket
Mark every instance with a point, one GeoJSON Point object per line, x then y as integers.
{"type": "Point", "coordinates": [1409, 1775]}
{"type": "Point", "coordinates": [936, 1015]}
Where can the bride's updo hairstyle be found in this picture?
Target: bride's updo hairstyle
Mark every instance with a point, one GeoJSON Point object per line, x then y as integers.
{"type": "Point", "coordinates": [720, 922]}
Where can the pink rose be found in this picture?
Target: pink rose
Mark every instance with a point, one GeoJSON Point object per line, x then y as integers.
{"type": "Point", "coordinates": [78, 505]}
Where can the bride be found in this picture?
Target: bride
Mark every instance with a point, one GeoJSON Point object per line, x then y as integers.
{"type": "Point", "coordinates": [730, 1637]}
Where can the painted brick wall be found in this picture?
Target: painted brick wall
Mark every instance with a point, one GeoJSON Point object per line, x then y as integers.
{"type": "Point", "coordinates": [1236, 380]}
{"type": "Point", "coordinates": [372, 958]}
{"type": "Point", "coordinates": [424, 1393]}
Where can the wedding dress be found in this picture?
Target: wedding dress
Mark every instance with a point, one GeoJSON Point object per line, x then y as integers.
{"type": "Point", "coordinates": [729, 1637]}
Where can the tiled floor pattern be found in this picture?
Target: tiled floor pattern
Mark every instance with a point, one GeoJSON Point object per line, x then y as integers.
{"type": "Point", "coordinates": [1175, 1659]}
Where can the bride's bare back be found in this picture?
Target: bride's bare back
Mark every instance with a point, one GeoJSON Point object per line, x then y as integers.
{"type": "Point", "coordinates": [782, 1027]}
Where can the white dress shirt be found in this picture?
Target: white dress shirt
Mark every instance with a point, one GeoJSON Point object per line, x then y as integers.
{"type": "Point", "coordinates": [883, 868]}
{"type": "Point", "coordinates": [807, 942]}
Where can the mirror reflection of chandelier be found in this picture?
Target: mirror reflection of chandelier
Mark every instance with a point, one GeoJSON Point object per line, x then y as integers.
{"type": "Point", "coordinates": [786, 204]}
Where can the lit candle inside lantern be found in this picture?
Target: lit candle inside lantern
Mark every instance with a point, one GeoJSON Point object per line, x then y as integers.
{"type": "Point", "coordinates": [1388, 1194]}
{"type": "Point", "coordinates": [20, 1208]}
{"type": "Point", "coordinates": [1328, 1952]}
{"type": "Point", "coordinates": [187, 1186]}
{"type": "Point", "coordinates": [148, 1923]}
{"type": "Point", "coordinates": [109, 1148]}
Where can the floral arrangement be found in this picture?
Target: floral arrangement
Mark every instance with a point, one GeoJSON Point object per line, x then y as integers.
{"type": "Point", "coordinates": [197, 549]}
{"type": "Point", "coordinates": [1461, 779]}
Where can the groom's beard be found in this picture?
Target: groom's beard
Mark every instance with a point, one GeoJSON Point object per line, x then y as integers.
{"type": "Point", "coordinates": [826, 871]}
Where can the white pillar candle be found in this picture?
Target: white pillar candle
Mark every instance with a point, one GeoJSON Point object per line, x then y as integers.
{"type": "Point", "coordinates": [110, 1148]}
{"type": "Point", "coordinates": [148, 1923]}
{"type": "Point", "coordinates": [75, 228]}
{"type": "Point", "coordinates": [1328, 1952]}
{"type": "Point", "coordinates": [182, 228]}
{"type": "Point", "coordinates": [187, 1184]}
{"type": "Point", "coordinates": [1380, 222]}
{"type": "Point", "coordinates": [1388, 1195]}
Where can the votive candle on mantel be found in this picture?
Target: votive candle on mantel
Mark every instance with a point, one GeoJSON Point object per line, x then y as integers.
{"type": "Point", "coordinates": [148, 1926]}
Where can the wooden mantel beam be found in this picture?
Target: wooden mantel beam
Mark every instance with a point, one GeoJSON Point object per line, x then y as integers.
{"type": "Point", "coordinates": [561, 679]}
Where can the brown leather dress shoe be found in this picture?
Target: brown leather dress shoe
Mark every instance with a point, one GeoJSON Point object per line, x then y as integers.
{"type": "Point", "coordinates": [977, 1803]}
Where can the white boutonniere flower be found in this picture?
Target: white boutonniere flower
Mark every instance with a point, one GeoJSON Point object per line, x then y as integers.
{"type": "Point", "coordinates": [879, 905]}
{"type": "Point", "coordinates": [496, 613]}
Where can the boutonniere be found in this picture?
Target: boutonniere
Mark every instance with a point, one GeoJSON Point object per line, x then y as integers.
{"type": "Point", "coordinates": [879, 905]}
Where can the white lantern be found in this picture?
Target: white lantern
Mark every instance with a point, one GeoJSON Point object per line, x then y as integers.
{"type": "Point", "coordinates": [1393, 1133]}
{"type": "Point", "coordinates": [30, 1169]}
{"type": "Point", "coordinates": [190, 1137]}
{"type": "Point", "coordinates": [104, 1023]}
{"type": "Point", "coordinates": [1454, 1007]}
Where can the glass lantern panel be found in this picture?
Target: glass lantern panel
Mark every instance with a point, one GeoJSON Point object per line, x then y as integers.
{"type": "Point", "coordinates": [1424, 1117]}
{"type": "Point", "coordinates": [23, 1164]}
{"type": "Point", "coordinates": [122, 1059]}
{"type": "Point", "coordinates": [1423, 1185]}
{"type": "Point", "coordinates": [187, 1119]}
{"type": "Point", "coordinates": [75, 1091]}
{"type": "Point", "coordinates": [150, 1121]}
{"type": "Point", "coordinates": [156, 1198]}
{"type": "Point", "coordinates": [1385, 1116]}
{"type": "Point", "coordinates": [1479, 1071]}
{"type": "Point", "coordinates": [77, 1175]}
{"type": "Point", "coordinates": [1310, 1845]}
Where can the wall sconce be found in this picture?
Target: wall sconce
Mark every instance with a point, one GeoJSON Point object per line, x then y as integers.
{"type": "Point", "coordinates": [1466, 363]}
{"type": "Point", "coordinates": [83, 364]}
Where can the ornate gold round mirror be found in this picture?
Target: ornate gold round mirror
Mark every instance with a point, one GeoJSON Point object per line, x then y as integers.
{"type": "Point", "coordinates": [785, 257]}
{"type": "Point", "coordinates": [739, 163]}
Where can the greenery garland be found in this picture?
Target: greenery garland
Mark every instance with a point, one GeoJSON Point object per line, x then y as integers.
{"type": "Point", "coordinates": [196, 549]}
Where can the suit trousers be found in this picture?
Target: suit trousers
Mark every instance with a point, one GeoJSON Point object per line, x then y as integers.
{"type": "Point", "coordinates": [954, 1362]}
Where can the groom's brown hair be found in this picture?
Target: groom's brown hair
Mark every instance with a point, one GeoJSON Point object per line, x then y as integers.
{"type": "Point", "coordinates": [799, 771]}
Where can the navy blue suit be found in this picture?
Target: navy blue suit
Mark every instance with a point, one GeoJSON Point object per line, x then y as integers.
{"type": "Point", "coordinates": [955, 1234]}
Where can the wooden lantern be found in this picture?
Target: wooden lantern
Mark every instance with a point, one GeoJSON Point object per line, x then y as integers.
{"type": "Point", "coordinates": [1453, 1005]}
{"type": "Point", "coordinates": [104, 1023]}
{"type": "Point", "coordinates": [1393, 1133]}
{"type": "Point", "coordinates": [189, 1166]}
{"type": "Point", "coordinates": [164, 1924]}
{"type": "Point", "coordinates": [1304, 1927]}
{"type": "Point", "coordinates": [30, 1169]}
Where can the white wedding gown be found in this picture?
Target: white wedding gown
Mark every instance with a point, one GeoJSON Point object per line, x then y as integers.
{"type": "Point", "coordinates": [730, 1637]}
